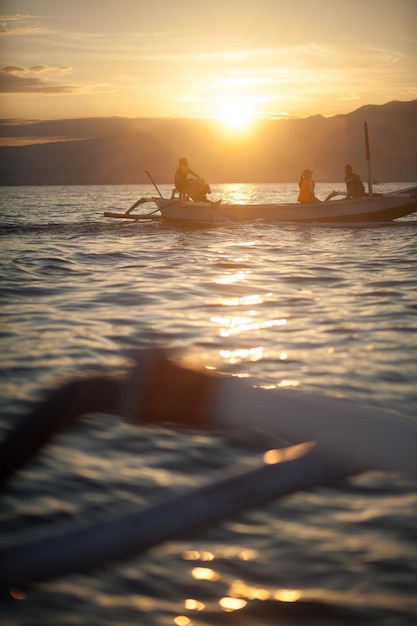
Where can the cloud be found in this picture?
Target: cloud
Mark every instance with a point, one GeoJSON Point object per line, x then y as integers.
{"type": "Point", "coordinates": [16, 26]}
{"type": "Point", "coordinates": [52, 69]}
{"type": "Point", "coordinates": [32, 80]}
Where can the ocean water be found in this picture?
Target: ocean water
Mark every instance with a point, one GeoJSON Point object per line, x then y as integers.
{"type": "Point", "coordinates": [328, 309]}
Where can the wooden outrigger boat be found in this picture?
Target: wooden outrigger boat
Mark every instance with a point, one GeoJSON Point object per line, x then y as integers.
{"type": "Point", "coordinates": [370, 208]}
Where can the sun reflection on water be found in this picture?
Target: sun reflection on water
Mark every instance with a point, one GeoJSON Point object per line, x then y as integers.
{"type": "Point", "coordinates": [238, 593]}
{"type": "Point", "coordinates": [236, 325]}
{"type": "Point", "coordinates": [242, 590]}
{"type": "Point", "coordinates": [194, 605]}
{"type": "Point", "coordinates": [241, 354]}
{"type": "Point", "coordinates": [287, 595]}
{"type": "Point", "coordinates": [244, 300]}
{"type": "Point", "coordinates": [204, 573]}
{"type": "Point", "coordinates": [232, 604]}
{"type": "Point", "coordinates": [195, 555]}
{"type": "Point", "coordinates": [289, 383]}
{"type": "Point", "coordinates": [232, 278]}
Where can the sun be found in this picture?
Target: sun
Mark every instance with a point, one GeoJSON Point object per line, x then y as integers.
{"type": "Point", "coordinates": [236, 114]}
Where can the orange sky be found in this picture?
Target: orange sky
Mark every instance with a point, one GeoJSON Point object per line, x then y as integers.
{"type": "Point", "coordinates": [183, 58]}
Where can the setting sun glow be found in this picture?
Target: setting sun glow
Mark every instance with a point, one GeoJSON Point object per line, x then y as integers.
{"type": "Point", "coordinates": [236, 114]}
{"type": "Point", "coordinates": [98, 59]}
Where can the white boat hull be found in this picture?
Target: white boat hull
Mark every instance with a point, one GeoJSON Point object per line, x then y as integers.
{"type": "Point", "coordinates": [376, 209]}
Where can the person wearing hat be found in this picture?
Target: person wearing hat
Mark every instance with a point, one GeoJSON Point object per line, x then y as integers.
{"type": "Point", "coordinates": [181, 176]}
{"type": "Point", "coordinates": [307, 185]}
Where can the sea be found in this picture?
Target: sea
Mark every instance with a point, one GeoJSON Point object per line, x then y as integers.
{"type": "Point", "coordinates": [329, 309]}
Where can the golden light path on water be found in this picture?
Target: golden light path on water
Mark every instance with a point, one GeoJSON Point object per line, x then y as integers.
{"type": "Point", "coordinates": [233, 325]}
{"type": "Point", "coordinates": [239, 594]}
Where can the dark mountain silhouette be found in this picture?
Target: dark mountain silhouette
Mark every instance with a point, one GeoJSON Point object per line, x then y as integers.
{"type": "Point", "coordinates": [119, 150]}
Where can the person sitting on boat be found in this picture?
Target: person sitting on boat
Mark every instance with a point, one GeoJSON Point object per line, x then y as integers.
{"type": "Point", "coordinates": [181, 177]}
{"type": "Point", "coordinates": [354, 185]}
{"type": "Point", "coordinates": [307, 185]}
{"type": "Point", "coordinates": [197, 190]}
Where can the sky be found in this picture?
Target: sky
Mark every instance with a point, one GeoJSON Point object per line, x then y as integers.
{"type": "Point", "coordinates": [228, 59]}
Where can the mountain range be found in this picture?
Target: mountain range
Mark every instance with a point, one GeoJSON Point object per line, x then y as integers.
{"type": "Point", "coordinates": [120, 150]}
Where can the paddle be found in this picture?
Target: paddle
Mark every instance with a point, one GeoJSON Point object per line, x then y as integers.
{"type": "Point", "coordinates": [154, 183]}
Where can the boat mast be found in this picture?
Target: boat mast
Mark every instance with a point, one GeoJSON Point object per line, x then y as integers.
{"type": "Point", "coordinates": [368, 159]}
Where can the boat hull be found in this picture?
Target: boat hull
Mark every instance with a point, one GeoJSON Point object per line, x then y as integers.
{"type": "Point", "coordinates": [377, 209]}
